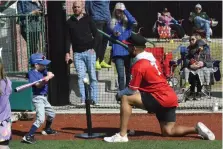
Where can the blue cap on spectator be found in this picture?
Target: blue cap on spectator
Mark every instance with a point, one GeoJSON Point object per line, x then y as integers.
{"type": "Point", "coordinates": [38, 58]}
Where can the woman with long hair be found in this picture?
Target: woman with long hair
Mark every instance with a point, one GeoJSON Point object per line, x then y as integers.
{"type": "Point", "coordinates": [121, 28]}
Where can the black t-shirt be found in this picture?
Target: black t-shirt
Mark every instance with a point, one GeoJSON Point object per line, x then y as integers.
{"type": "Point", "coordinates": [80, 33]}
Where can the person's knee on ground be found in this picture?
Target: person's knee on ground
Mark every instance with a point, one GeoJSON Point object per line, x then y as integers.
{"type": "Point", "coordinates": [166, 129]}
{"type": "Point", "coordinates": [167, 132]}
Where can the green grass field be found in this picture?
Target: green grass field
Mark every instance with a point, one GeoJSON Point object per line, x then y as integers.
{"type": "Point", "coordinates": [94, 144]}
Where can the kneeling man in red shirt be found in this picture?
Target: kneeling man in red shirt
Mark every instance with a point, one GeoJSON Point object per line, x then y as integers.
{"type": "Point", "coordinates": [149, 90]}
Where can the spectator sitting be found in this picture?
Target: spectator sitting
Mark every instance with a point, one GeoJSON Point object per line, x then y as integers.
{"type": "Point", "coordinates": [121, 27]}
{"type": "Point", "coordinates": [168, 20]}
{"type": "Point", "coordinates": [202, 21]}
{"type": "Point", "coordinates": [199, 64]}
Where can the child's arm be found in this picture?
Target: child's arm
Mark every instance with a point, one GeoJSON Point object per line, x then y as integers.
{"type": "Point", "coordinates": [32, 78]}
{"type": "Point", "coordinates": [49, 76]}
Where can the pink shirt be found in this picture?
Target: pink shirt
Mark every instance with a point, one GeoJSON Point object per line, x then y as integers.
{"type": "Point", "coordinates": [165, 19]}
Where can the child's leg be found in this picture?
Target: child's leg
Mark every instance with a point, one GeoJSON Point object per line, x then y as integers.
{"type": "Point", "coordinates": [50, 114]}
{"type": "Point", "coordinates": [40, 114]}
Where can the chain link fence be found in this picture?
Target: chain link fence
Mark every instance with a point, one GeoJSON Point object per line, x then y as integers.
{"type": "Point", "coordinates": [108, 77]}
{"type": "Point", "coordinates": [21, 35]}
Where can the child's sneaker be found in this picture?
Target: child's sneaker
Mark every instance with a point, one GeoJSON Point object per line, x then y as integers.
{"type": "Point", "coordinates": [49, 132]}
{"type": "Point", "coordinates": [116, 138]}
{"type": "Point", "coordinates": [29, 139]}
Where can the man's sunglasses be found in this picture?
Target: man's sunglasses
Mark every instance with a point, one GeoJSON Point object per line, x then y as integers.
{"type": "Point", "coordinates": [192, 39]}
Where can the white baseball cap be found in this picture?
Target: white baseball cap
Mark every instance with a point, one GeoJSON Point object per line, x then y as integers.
{"type": "Point", "coordinates": [120, 6]}
{"type": "Point", "coordinates": [198, 6]}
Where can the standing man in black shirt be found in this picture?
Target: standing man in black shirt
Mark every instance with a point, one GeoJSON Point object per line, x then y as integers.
{"type": "Point", "coordinates": [81, 32]}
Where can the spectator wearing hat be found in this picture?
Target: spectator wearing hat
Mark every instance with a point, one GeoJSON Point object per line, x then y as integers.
{"type": "Point", "coordinates": [168, 20]}
{"type": "Point", "coordinates": [40, 92]}
{"type": "Point", "coordinates": [202, 21]}
{"type": "Point", "coordinates": [121, 27]}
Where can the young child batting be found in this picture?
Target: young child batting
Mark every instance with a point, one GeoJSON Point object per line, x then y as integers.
{"type": "Point", "coordinates": [5, 109]}
{"type": "Point", "coordinates": [40, 91]}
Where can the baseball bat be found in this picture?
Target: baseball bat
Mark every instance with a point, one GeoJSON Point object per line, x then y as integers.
{"type": "Point", "coordinates": [22, 87]}
{"type": "Point", "coordinates": [112, 39]}
{"type": "Point", "coordinates": [119, 42]}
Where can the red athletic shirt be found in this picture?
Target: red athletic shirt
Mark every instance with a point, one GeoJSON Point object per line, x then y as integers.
{"type": "Point", "coordinates": [147, 77]}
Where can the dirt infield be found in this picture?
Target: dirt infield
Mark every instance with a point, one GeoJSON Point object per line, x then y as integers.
{"type": "Point", "coordinates": [145, 125]}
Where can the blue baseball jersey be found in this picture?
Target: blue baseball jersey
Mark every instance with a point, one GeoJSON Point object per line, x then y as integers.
{"type": "Point", "coordinates": [35, 75]}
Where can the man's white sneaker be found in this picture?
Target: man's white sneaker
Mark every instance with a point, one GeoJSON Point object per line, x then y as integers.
{"type": "Point", "coordinates": [205, 132]}
{"type": "Point", "coordinates": [116, 138]}
{"type": "Point", "coordinates": [214, 23]}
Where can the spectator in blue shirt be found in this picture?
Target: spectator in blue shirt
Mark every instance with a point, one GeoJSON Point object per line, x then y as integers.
{"type": "Point", "coordinates": [121, 27]}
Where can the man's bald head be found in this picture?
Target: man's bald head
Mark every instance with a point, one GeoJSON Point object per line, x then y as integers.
{"type": "Point", "coordinates": [78, 7]}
